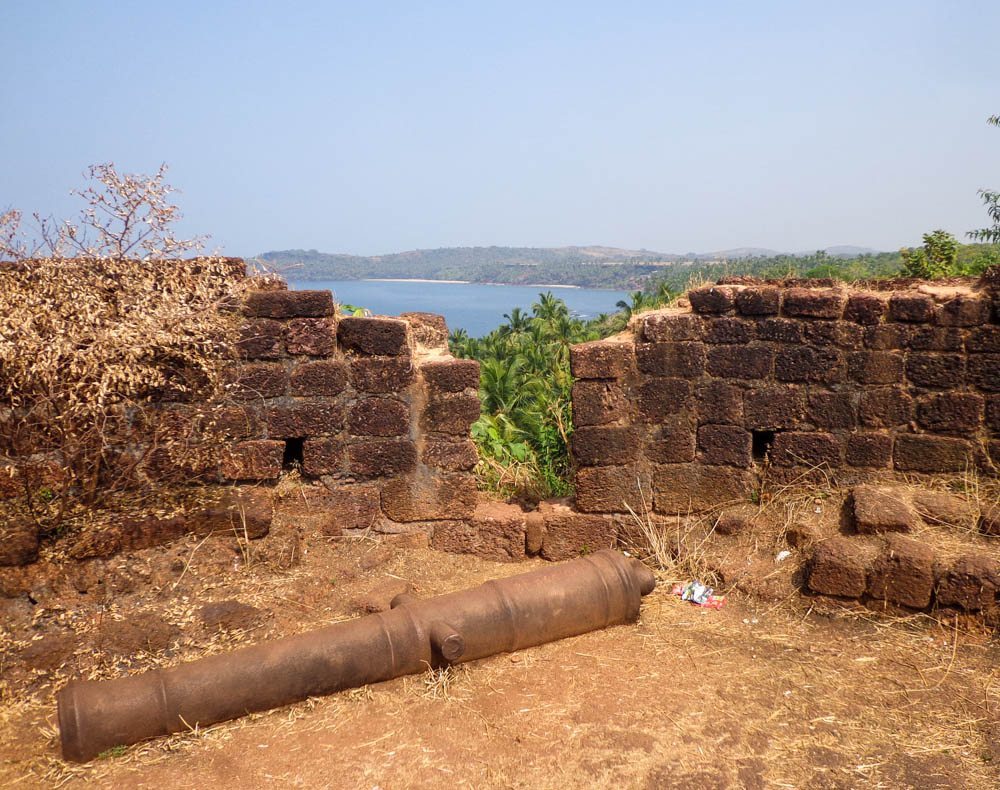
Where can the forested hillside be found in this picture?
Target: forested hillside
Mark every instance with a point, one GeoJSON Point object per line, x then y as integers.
{"type": "Point", "coordinates": [594, 267]}
{"type": "Point", "coordinates": [597, 267]}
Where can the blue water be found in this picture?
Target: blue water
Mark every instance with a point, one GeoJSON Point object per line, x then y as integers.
{"type": "Point", "coordinates": [476, 308]}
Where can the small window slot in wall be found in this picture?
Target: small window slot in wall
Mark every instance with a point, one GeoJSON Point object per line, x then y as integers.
{"type": "Point", "coordinates": [762, 441]}
{"type": "Point", "coordinates": [293, 453]}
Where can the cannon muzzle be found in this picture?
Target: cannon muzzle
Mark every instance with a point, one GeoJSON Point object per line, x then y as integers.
{"type": "Point", "coordinates": [592, 592]}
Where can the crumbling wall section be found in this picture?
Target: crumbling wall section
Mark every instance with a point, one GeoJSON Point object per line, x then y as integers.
{"type": "Point", "coordinates": [694, 406]}
{"type": "Point", "coordinates": [374, 409]}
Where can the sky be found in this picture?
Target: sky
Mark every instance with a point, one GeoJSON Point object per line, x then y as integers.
{"type": "Point", "coordinates": [371, 128]}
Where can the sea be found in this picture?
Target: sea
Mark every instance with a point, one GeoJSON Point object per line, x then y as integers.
{"type": "Point", "coordinates": [475, 307]}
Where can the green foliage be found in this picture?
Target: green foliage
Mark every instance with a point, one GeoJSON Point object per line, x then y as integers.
{"type": "Point", "coordinates": [991, 199]}
{"type": "Point", "coordinates": [594, 267]}
{"type": "Point", "coordinates": [525, 385]}
{"type": "Point", "coordinates": [353, 310]}
{"type": "Point", "coordinates": [937, 258]}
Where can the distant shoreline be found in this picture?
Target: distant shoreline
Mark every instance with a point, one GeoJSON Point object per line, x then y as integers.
{"type": "Point", "coordinates": [470, 282]}
{"type": "Point", "coordinates": [413, 280]}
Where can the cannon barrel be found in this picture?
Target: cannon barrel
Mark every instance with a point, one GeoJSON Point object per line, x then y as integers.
{"type": "Point", "coordinates": [592, 592]}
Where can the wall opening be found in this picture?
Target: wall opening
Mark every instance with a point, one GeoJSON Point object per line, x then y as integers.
{"type": "Point", "coordinates": [293, 453]}
{"type": "Point", "coordinates": [762, 441]}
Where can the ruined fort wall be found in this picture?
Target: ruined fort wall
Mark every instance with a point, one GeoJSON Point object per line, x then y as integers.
{"type": "Point", "coordinates": [374, 409]}
{"type": "Point", "coordinates": [695, 406]}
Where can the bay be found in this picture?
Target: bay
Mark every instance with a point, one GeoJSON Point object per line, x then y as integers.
{"type": "Point", "coordinates": [475, 307]}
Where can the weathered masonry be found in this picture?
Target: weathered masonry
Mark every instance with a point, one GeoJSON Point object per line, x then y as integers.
{"type": "Point", "coordinates": [692, 406]}
{"type": "Point", "coordinates": [374, 408]}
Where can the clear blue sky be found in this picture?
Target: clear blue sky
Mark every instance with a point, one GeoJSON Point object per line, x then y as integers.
{"type": "Point", "coordinates": [377, 127]}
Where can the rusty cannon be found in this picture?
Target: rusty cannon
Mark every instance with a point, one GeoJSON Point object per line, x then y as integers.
{"type": "Point", "coordinates": [501, 615]}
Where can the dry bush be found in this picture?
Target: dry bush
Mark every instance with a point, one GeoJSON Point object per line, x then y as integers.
{"type": "Point", "coordinates": [98, 321]}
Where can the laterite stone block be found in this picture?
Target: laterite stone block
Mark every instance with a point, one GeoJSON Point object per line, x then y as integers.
{"type": "Point", "coordinates": [428, 329]}
{"type": "Point", "coordinates": [445, 496]}
{"type": "Point", "coordinates": [289, 304]}
{"type": "Point", "coordinates": [304, 418]}
{"type": "Point", "coordinates": [719, 403]}
{"type": "Point", "coordinates": [351, 507]}
{"type": "Point", "coordinates": [598, 402]}
{"type": "Point", "coordinates": [725, 330]}
{"type": "Point", "coordinates": [314, 337]}
{"type": "Point", "coordinates": [758, 300]}
{"type": "Point", "coordinates": [780, 330]}
{"type": "Point", "coordinates": [601, 359]}
{"type": "Point", "coordinates": [569, 534]}
{"type": "Point", "coordinates": [320, 378]}
{"type": "Point", "coordinates": [868, 450]}
{"type": "Point", "coordinates": [605, 446]}
{"type": "Point", "coordinates": [903, 573]}
{"type": "Point", "coordinates": [825, 303]}
{"type": "Point", "coordinates": [984, 371]}
{"type": "Point", "coordinates": [942, 371]}
{"type": "Point", "coordinates": [875, 367]}
{"type": "Point", "coordinates": [681, 360]}
{"type": "Point", "coordinates": [262, 338]}
{"type": "Point", "coordinates": [378, 417]}
{"type": "Point", "coordinates": [257, 380]}
{"type": "Point", "coordinates": [607, 489]}
{"type": "Point", "coordinates": [381, 457]}
{"type": "Point", "coordinates": [740, 362]}
{"type": "Point", "coordinates": [971, 583]}
{"type": "Point", "coordinates": [832, 410]}
{"type": "Point", "coordinates": [951, 412]}
{"type": "Point", "coordinates": [670, 326]}
{"type": "Point", "coordinates": [495, 532]}
{"type": "Point", "coordinates": [324, 456]}
{"type": "Point", "coordinates": [886, 407]}
{"type": "Point", "coordinates": [672, 442]}
{"type": "Point", "coordinates": [724, 445]}
{"type": "Point", "coordinates": [691, 488]}
{"type": "Point", "coordinates": [713, 299]}
{"type": "Point", "coordinates": [379, 375]}
{"type": "Point", "coordinates": [887, 337]}
{"type": "Point", "coordinates": [984, 340]}
{"type": "Point", "coordinates": [964, 310]}
{"type": "Point", "coordinates": [911, 307]}
{"type": "Point", "coordinates": [930, 454]}
{"type": "Point", "coordinates": [795, 448]}
{"type": "Point", "coordinates": [451, 413]}
{"type": "Point", "coordinates": [841, 334]}
{"type": "Point", "coordinates": [773, 408]}
{"type": "Point", "coordinates": [839, 566]}
{"type": "Point", "coordinates": [253, 460]}
{"type": "Point", "coordinates": [457, 456]}
{"type": "Point", "coordinates": [659, 398]}
{"type": "Point", "coordinates": [808, 364]}
{"type": "Point", "coordinates": [373, 336]}
{"type": "Point", "coordinates": [451, 375]}
{"type": "Point", "coordinates": [935, 338]}
{"type": "Point", "coordinates": [865, 308]}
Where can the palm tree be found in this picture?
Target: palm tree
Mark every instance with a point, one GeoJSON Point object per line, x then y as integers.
{"type": "Point", "coordinates": [517, 321]}
{"type": "Point", "coordinates": [501, 385]}
{"type": "Point", "coordinates": [639, 301]}
{"type": "Point", "coordinates": [549, 307]}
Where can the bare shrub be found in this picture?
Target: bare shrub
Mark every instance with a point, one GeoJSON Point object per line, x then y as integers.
{"type": "Point", "coordinates": [98, 321]}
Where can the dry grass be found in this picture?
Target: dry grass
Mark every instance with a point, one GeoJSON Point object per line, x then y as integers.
{"type": "Point", "coordinates": [781, 691]}
{"type": "Point", "coordinates": [700, 697]}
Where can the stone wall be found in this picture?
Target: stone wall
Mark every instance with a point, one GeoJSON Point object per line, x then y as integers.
{"type": "Point", "coordinates": [376, 407]}
{"type": "Point", "coordinates": [375, 410]}
{"type": "Point", "coordinates": [695, 405]}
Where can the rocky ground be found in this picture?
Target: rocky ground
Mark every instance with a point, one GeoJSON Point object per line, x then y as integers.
{"type": "Point", "coordinates": [865, 686]}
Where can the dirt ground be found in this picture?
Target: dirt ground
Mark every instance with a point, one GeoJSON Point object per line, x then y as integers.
{"type": "Point", "coordinates": [766, 692]}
